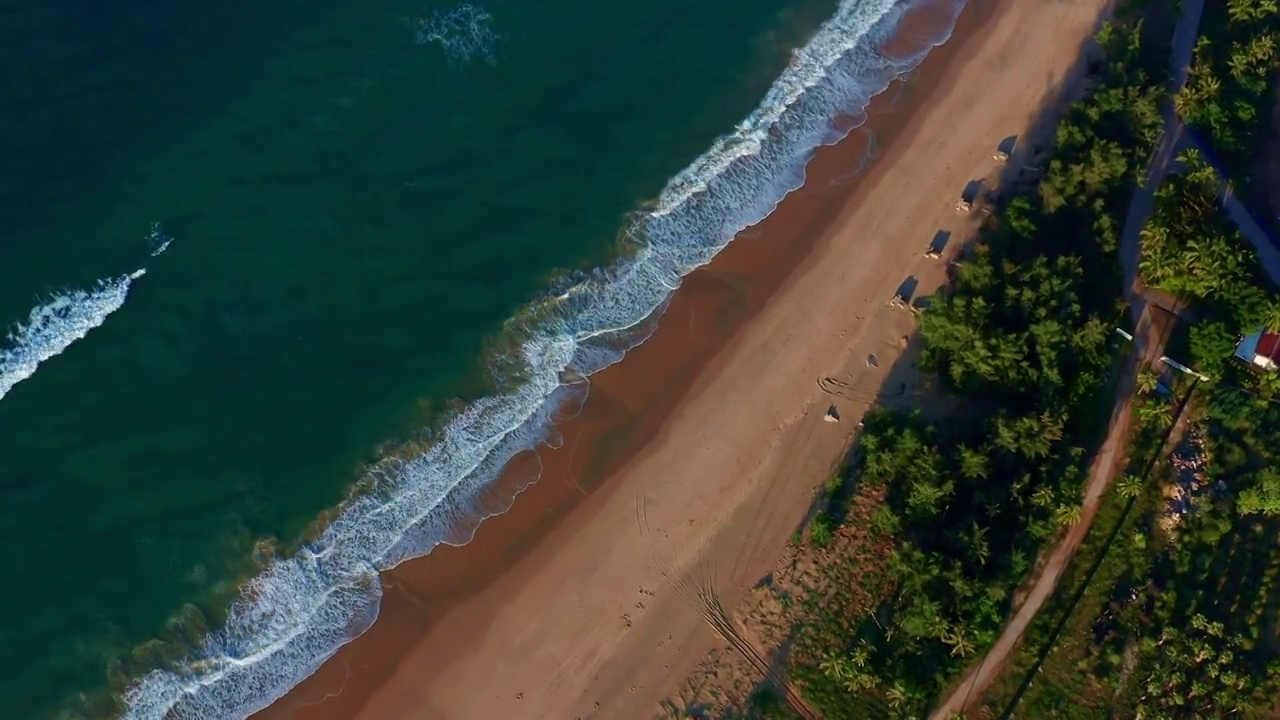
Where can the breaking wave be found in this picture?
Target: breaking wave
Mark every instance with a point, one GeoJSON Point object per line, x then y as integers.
{"type": "Point", "coordinates": [52, 327]}
{"type": "Point", "coordinates": [66, 317]}
{"type": "Point", "coordinates": [299, 610]}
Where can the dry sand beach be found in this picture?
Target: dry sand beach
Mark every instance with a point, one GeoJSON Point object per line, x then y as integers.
{"type": "Point", "coordinates": [695, 458]}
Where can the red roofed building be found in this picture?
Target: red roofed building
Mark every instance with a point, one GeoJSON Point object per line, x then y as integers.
{"type": "Point", "coordinates": [1260, 349]}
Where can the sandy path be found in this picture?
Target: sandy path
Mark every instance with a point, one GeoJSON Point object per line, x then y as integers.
{"type": "Point", "coordinates": [585, 625]}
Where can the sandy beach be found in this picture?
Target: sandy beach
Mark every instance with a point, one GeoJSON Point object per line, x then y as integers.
{"type": "Point", "coordinates": [696, 457]}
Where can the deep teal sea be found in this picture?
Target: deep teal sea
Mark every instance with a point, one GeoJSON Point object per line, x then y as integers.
{"type": "Point", "coordinates": [357, 198]}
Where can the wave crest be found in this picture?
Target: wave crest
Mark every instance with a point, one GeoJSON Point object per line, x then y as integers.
{"type": "Point", "coordinates": [52, 327]}
{"type": "Point", "coordinates": [300, 610]}
{"type": "Point", "coordinates": [66, 317]}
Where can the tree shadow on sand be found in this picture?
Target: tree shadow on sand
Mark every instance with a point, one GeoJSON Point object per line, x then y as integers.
{"type": "Point", "coordinates": [821, 611]}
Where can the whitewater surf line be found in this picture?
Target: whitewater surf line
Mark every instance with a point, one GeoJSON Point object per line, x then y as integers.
{"type": "Point", "coordinates": [52, 328]}
{"type": "Point", "coordinates": [67, 317]}
{"type": "Point", "coordinates": [299, 610]}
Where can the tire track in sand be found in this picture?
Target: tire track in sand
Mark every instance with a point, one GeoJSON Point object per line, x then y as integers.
{"type": "Point", "coordinates": [704, 597]}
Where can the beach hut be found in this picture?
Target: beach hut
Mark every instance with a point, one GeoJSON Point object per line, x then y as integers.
{"type": "Point", "coordinates": [937, 244]}
{"type": "Point", "coordinates": [1005, 149]}
{"type": "Point", "coordinates": [902, 296]}
{"type": "Point", "coordinates": [1261, 350]}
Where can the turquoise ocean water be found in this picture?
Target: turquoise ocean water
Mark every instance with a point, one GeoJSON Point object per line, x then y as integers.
{"type": "Point", "coordinates": [288, 282]}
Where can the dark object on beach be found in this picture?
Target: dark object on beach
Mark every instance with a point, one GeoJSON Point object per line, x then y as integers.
{"type": "Point", "coordinates": [873, 361]}
{"type": "Point", "coordinates": [939, 243]}
{"type": "Point", "coordinates": [902, 297]}
{"type": "Point", "coordinates": [967, 198]}
{"type": "Point", "coordinates": [833, 415]}
{"type": "Point", "coordinates": [1005, 149]}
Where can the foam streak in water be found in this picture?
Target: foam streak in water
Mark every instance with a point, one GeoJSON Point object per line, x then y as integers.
{"type": "Point", "coordinates": [465, 33]}
{"type": "Point", "coordinates": [67, 317]}
{"type": "Point", "coordinates": [54, 326]}
{"type": "Point", "coordinates": [157, 240]}
{"type": "Point", "coordinates": [300, 610]}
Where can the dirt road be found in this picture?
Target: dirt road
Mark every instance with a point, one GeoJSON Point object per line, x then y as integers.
{"type": "Point", "coordinates": [1148, 346]}
{"type": "Point", "coordinates": [1106, 464]}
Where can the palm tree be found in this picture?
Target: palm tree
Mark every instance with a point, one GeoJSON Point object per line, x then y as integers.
{"type": "Point", "coordinates": [1262, 48]}
{"type": "Point", "coordinates": [896, 696]}
{"type": "Point", "coordinates": [1067, 515]}
{"type": "Point", "coordinates": [1239, 64]}
{"type": "Point", "coordinates": [1006, 435]}
{"type": "Point", "coordinates": [1243, 11]}
{"type": "Point", "coordinates": [847, 672]}
{"type": "Point", "coordinates": [978, 545]}
{"type": "Point", "coordinates": [959, 642]}
{"type": "Point", "coordinates": [1051, 426]}
{"type": "Point", "coordinates": [1157, 263]}
{"type": "Point", "coordinates": [1203, 87]}
{"type": "Point", "coordinates": [861, 655]}
{"type": "Point", "coordinates": [1019, 562]}
{"type": "Point", "coordinates": [1040, 529]}
{"type": "Point", "coordinates": [1239, 11]}
{"type": "Point", "coordinates": [1129, 486]}
{"type": "Point", "coordinates": [1043, 496]}
{"type": "Point", "coordinates": [925, 498]}
{"type": "Point", "coordinates": [1038, 446]}
{"type": "Point", "coordinates": [974, 464]}
{"type": "Point", "coordinates": [1148, 381]}
{"type": "Point", "coordinates": [1271, 317]}
{"type": "Point", "coordinates": [1201, 175]}
{"type": "Point", "coordinates": [960, 585]}
{"type": "Point", "coordinates": [1152, 414]}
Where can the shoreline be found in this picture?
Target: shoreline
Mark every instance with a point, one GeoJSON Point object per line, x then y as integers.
{"type": "Point", "coordinates": [450, 598]}
{"type": "Point", "coordinates": [624, 408]}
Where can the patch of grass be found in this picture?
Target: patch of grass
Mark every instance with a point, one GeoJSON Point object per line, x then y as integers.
{"type": "Point", "coordinates": [821, 530]}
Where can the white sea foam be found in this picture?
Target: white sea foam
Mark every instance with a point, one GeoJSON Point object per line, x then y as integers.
{"type": "Point", "coordinates": [68, 316]}
{"type": "Point", "coordinates": [300, 610]}
{"type": "Point", "coordinates": [52, 327]}
{"type": "Point", "coordinates": [465, 33]}
{"type": "Point", "coordinates": [157, 240]}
